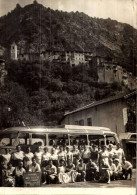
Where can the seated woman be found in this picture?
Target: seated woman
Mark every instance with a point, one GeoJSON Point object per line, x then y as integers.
{"type": "Point", "coordinates": [3, 168]}
{"type": "Point", "coordinates": [105, 172]}
{"type": "Point", "coordinates": [9, 180]}
{"type": "Point", "coordinates": [34, 167]}
{"type": "Point", "coordinates": [18, 172]}
{"type": "Point", "coordinates": [45, 157]}
{"type": "Point", "coordinates": [38, 155]}
{"type": "Point", "coordinates": [70, 171]}
{"type": "Point", "coordinates": [91, 171]}
{"type": "Point", "coordinates": [26, 163]}
{"type": "Point", "coordinates": [17, 156]}
{"type": "Point", "coordinates": [62, 176]}
{"type": "Point", "coordinates": [81, 169]}
{"type": "Point", "coordinates": [112, 169]}
{"type": "Point", "coordinates": [49, 173]}
{"type": "Point", "coordinates": [118, 172]}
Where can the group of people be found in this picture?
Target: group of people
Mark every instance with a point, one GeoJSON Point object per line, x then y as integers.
{"type": "Point", "coordinates": [62, 165]}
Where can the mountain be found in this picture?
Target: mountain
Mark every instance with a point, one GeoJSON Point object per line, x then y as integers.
{"type": "Point", "coordinates": [39, 93]}
{"type": "Point", "coordinates": [35, 25]}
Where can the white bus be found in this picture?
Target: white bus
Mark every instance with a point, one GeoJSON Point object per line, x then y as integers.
{"type": "Point", "coordinates": [68, 135]}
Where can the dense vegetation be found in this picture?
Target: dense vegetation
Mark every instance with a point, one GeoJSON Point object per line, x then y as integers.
{"type": "Point", "coordinates": [39, 93]}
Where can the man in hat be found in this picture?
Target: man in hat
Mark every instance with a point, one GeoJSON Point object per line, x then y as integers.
{"type": "Point", "coordinates": [126, 168]}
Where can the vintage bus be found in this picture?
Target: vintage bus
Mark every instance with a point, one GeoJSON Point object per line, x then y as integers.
{"type": "Point", "coordinates": [68, 135]}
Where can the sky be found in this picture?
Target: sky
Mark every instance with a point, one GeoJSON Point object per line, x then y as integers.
{"type": "Point", "coordinates": [121, 10]}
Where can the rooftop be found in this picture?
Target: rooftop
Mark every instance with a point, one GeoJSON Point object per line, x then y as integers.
{"type": "Point", "coordinates": [96, 103]}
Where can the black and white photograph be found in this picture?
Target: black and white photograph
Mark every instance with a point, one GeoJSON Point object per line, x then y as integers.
{"type": "Point", "coordinates": [68, 97]}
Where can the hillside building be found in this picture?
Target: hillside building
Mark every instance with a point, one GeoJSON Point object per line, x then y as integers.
{"type": "Point", "coordinates": [14, 51]}
{"type": "Point", "coordinates": [110, 72]}
{"type": "Point", "coordinates": [117, 113]}
{"type": "Point", "coordinates": [107, 71]}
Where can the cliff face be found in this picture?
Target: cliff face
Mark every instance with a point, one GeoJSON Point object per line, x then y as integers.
{"type": "Point", "coordinates": [36, 26]}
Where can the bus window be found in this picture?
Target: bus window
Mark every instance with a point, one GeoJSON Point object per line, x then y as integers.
{"type": "Point", "coordinates": [133, 136]}
{"type": "Point", "coordinates": [20, 138]}
{"type": "Point", "coordinates": [78, 140]}
{"type": "Point", "coordinates": [38, 139]}
{"type": "Point", "coordinates": [96, 140]}
{"type": "Point", "coordinates": [5, 140]}
{"type": "Point", "coordinates": [110, 140]}
{"type": "Point", "coordinates": [58, 139]}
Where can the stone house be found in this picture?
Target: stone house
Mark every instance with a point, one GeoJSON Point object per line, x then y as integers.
{"type": "Point", "coordinates": [114, 113]}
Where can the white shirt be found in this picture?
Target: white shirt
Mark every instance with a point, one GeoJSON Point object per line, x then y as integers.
{"type": "Point", "coordinates": [46, 156]}
{"type": "Point", "coordinates": [86, 154]}
{"type": "Point", "coordinates": [127, 165]}
{"type": "Point", "coordinates": [120, 154]}
{"type": "Point", "coordinates": [6, 157]}
{"type": "Point", "coordinates": [18, 155]}
{"type": "Point", "coordinates": [104, 155]}
{"type": "Point", "coordinates": [54, 157]}
{"type": "Point", "coordinates": [29, 156]}
{"type": "Point", "coordinates": [61, 155]}
{"type": "Point", "coordinates": [38, 156]}
{"type": "Point", "coordinates": [35, 168]}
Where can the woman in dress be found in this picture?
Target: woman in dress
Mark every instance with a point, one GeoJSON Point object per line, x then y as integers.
{"type": "Point", "coordinates": [71, 172]}
{"type": "Point", "coordinates": [75, 153]}
{"type": "Point", "coordinates": [19, 171]}
{"type": "Point", "coordinates": [94, 154]}
{"type": "Point", "coordinates": [54, 157]}
{"type": "Point", "coordinates": [61, 154]}
{"type": "Point", "coordinates": [86, 154]}
{"type": "Point", "coordinates": [9, 180]}
{"type": "Point", "coordinates": [105, 172]}
{"type": "Point", "coordinates": [38, 155]}
{"type": "Point", "coordinates": [45, 157]}
{"type": "Point", "coordinates": [7, 156]}
{"type": "Point", "coordinates": [104, 154]}
{"type": "Point", "coordinates": [119, 153]}
{"type": "Point", "coordinates": [17, 156]}
{"type": "Point", "coordinates": [112, 169]}
{"type": "Point", "coordinates": [111, 151]}
{"type": "Point", "coordinates": [81, 169]}
{"type": "Point", "coordinates": [69, 155]}
{"type": "Point", "coordinates": [29, 155]}
{"type": "Point", "coordinates": [62, 176]}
